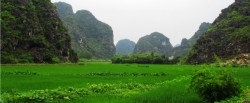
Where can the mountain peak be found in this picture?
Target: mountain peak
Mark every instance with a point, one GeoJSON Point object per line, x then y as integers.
{"type": "Point", "coordinates": [64, 9]}
{"type": "Point", "coordinates": [155, 42]}
{"type": "Point", "coordinates": [125, 46]}
{"type": "Point", "coordinates": [85, 14]}
{"type": "Point", "coordinates": [90, 37]}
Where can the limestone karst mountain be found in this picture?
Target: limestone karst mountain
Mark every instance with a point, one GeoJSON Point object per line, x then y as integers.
{"type": "Point", "coordinates": [33, 33]}
{"type": "Point", "coordinates": [183, 49]}
{"type": "Point", "coordinates": [125, 46]}
{"type": "Point", "coordinates": [90, 37]}
{"type": "Point", "coordinates": [186, 44]}
{"type": "Point", "coordinates": [156, 43]}
{"type": "Point", "coordinates": [229, 35]}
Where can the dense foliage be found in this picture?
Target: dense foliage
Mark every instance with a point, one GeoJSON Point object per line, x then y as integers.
{"type": "Point", "coordinates": [144, 58]}
{"type": "Point", "coordinates": [229, 35]}
{"type": "Point", "coordinates": [215, 86]}
{"type": "Point", "coordinates": [156, 43]}
{"type": "Point", "coordinates": [90, 37]}
{"type": "Point", "coordinates": [124, 47]}
{"type": "Point", "coordinates": [33, 33]}
{"type": "Point", "coordinates": [68, 94]}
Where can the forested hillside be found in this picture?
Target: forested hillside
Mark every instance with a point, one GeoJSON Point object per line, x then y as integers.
{"type": "Point", "coordinates": [33, 33]}
{"type": "Point", "coordinates": [229, 35]}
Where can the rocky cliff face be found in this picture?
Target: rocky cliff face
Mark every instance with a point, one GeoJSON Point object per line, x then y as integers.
{"type": "Point", "coordinates": [124, 47]}
{"type": "Point", "coordinates": [33, 33]}
{"type": "Point", "coordinates": [228, 36]}
{"type": "Point", "coordinates": [90, 37]}
{"type": "Point", "coordinates": [156, 43]}
{"type": "Point", "coordinates": [183, 49]}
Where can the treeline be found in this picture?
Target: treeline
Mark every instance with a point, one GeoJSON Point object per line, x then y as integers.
{"type": "Point", "coordinates": [145, 58]}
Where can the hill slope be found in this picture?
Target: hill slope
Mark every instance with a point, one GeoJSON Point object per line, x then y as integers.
{"type": "Point", "coordinates": [202, 29]}
{"type": "Point", "coordinates": [156, 43]}
{"type": "Point", "coordinates": [90, 37]}
{"type": "Point", "coordinates": [228, 36]}
{"type": "Point", "coordinates": [186, 45]}
{"type": "Point", "coordinates": [125, 46]}
{"type": "Point", "coordinates": [183, 49]}
{"type": "Point", "coordinates": [33, 33]}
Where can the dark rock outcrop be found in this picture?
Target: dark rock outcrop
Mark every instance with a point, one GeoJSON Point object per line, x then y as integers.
{"type": "Point", "coordinates": [154, 43]}
{"type": "Point", "coordinates": [229, 35]}
{"type": "Point", "coordinates": [124, 47]}
{"type": "Point", "coordinates": [33, 33]}
{"type": "Point", "coordinates": [90, 37]}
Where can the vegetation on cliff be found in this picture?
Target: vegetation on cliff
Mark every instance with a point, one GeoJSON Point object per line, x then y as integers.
{"type": "Point", "coordinates": [229, 35]}
{"type": "Point", "coordinates": [33, 33]}
{"type": "Point", "coordinates": [90, 37]}
{"type": "Point", "coordinates": [186, 44]}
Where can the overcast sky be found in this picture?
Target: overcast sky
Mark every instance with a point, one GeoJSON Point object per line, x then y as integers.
{"type": "Point", "coordinates": [132, 19]}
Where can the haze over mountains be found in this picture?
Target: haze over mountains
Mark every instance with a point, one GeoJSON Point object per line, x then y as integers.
{"type": "Point", "coordinates": [155, 43]}
{"type": "Point", "coordinates": [132, 19]}
{"type": "Point", "coordinates": [228, 36]}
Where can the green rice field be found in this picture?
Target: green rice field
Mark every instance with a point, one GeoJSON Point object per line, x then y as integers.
{"type": "Point", "coordinates": [105, 82]}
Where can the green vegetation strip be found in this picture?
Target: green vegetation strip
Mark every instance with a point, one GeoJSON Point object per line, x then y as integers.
{"type": "Point", "coordinates": [119, 90]}
{"type": "Point", "coordinates": [125, 74]}
{"type": "Point", "coordinates": [19, 73]}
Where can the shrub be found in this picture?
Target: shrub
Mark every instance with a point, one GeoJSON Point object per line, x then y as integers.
{"type": "Point", "coordinates": [7, 58]}
{"type": "Point", "coordinates": [144, 58]}
{"type": "Point", "coordinates": [81, 63]}
{"type": "Point", "coordinates": [215, 86]}
{"type": "Point", "coordinates": [56, 60]}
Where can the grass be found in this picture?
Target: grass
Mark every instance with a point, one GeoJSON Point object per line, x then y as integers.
{"type": "Point", "coordinates": [49, 77]}
{"type": "Point", "coordinates": [177, 92]}
{"type": "Point", "coordinates": [171, 88]}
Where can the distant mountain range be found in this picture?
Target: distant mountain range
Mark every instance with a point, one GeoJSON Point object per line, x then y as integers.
{"type": "Point", "coordinates": [158, 43]}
